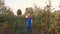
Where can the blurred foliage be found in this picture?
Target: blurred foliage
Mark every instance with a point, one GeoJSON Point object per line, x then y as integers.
{"type": "Point", "coordinates": [19, 12]}
{"type": "Point", "coordinates": [44, 20]}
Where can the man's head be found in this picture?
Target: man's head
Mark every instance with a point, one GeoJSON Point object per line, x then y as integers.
{"type": "Point", "coordinates": [28, 14]}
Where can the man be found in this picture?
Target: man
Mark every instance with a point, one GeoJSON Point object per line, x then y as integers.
{"type": "Point", "coordinates": [28, 21]}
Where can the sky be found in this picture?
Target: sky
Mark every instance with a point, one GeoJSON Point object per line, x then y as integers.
{"type": "Point", "coordinates": [23, 4]}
